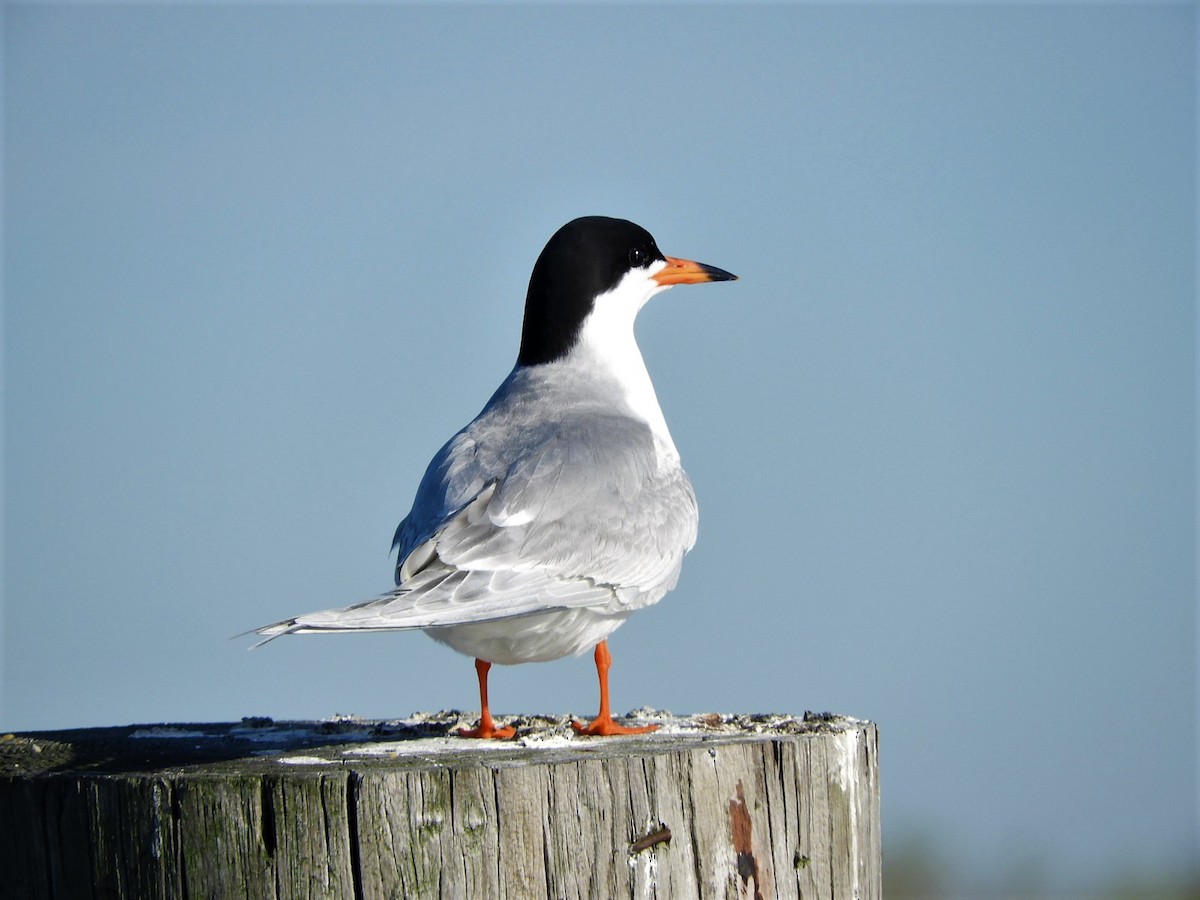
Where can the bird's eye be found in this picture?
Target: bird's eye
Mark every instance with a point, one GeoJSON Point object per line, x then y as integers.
{"type": "Point", "coordinates": [637, 257]}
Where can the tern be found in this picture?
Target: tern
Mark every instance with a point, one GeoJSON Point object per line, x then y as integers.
{"type": "Point", "coordinates": [562, 508]}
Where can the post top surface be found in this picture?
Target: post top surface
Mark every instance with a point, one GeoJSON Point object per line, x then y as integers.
{"type": "Point", "coordinates": [423, 740]}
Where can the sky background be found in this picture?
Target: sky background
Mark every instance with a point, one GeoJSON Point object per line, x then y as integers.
{"type": "Point", "coordinates": [260, 262]}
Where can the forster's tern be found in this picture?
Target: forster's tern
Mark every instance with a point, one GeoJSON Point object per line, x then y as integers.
{"type": "Point", "coordinates": [562, 508]}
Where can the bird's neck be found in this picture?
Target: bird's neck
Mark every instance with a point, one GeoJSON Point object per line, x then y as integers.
{"type": "Point", "coordinates": [607, 347]}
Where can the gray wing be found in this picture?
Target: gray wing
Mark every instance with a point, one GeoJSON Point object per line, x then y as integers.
{"type": "Point", "coordinates": [590, 499]}
{"type": "Point", "coordinates": [511, 521]}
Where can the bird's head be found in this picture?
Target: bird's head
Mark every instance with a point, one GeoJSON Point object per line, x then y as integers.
{"type": "Point", "coordinates": [597, 273]}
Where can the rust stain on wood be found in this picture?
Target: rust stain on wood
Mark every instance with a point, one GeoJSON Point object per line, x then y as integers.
{"type": "Point", "coordinates": [743, 844]}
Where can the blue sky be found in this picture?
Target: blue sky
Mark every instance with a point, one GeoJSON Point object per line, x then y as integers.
{"type": "Point", "coordinates": [261, 261]}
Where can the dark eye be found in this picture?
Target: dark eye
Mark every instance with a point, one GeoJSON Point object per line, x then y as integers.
{"type": "Point", "coordinates": [637, 257]}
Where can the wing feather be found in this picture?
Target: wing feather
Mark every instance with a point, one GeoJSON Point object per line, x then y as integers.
{"type": "Point", "coordinates": [518, 515]}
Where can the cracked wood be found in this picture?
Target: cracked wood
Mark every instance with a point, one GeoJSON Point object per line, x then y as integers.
{"type": "Point", "coordinates": [697, 812]}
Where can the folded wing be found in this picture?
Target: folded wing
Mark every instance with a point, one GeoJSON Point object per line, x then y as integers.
{"type": "Point", "coordinates": [584, 515]}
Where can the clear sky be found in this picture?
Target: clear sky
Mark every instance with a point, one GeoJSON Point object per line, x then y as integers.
{"type": "Point", "coordinates": [260, 262]}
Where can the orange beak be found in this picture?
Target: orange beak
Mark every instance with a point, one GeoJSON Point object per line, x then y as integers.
{"type": "Point", "coordinates": [684, 271]}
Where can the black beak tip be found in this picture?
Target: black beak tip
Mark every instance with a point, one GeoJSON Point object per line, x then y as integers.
{"type": "Point", "coordinates": [715, 274]}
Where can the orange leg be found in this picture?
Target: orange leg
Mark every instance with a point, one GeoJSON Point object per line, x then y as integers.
{"type": "Point", "coordinates": [603, 724]}
{"type": "Point", "coordinates": [487, 728]}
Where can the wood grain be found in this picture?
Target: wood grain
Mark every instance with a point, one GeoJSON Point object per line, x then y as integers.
{"type": "Point", "coordinates": [709, 807]}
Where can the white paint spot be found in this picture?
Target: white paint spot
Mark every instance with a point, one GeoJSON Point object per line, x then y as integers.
{"type": "Point", "coordinates": [166, 731]}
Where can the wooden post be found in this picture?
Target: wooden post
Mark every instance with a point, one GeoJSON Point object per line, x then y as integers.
{"type": "Point", "coordinates": [709, 806]}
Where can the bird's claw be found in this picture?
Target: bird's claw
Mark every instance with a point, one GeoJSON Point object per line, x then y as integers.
{"type": "Point", "coordinates": [490, 731]}
{"type": "Point", "coordinates": [605, 726]}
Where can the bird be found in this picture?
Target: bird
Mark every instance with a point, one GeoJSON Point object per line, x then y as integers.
{"type": "Point", "coordinates": [562, 508]}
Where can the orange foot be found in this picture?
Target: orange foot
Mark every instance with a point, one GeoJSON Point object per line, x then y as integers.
{"type": "Point", "coordinates": [488, 729]}
{"type": "Point", "coordinates": [604, 726]}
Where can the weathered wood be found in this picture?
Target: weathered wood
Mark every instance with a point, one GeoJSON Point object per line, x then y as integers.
{"type": "Point", "coordinates": [734, 806]}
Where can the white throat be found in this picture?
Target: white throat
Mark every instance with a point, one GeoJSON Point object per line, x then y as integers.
{"type": "Point", "coordinates": [607, 344]}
